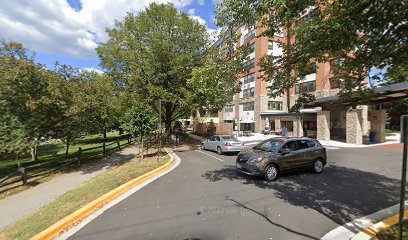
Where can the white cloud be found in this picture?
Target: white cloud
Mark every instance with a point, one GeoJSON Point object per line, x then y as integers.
{"type": "Point", "coordinates": [201, 2]}
{"type": "Point", "coordinates": [54, 27]}
{"type": "Point", "coordinates": [191, 11]}
{"type": "Point", "coordinates": [92, 70]}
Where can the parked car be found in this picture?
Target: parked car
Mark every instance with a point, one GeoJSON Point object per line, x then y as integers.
{"type": "Point", "coordinates": [277, 155]}
{"type": "Point", "coordinates": [223, 144]}
{"type": "Point", "coordinates": [266, 131]}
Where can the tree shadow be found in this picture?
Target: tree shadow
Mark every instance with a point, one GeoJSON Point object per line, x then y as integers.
{"type": "Point", "coordinates": [339, 193]}
{"type": "Point", "coordinates": [241, 205]}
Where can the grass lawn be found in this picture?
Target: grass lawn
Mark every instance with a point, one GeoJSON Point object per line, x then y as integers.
{"type": "Point", "coordinates": [78, 197]}
{"type": "Point", "coordinates": [391, 233]}
{"type": "Point", "coordinates": [53, 154]}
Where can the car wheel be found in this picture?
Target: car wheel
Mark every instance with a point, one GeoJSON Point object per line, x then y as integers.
{"type": "Point", "coordinates": [271, 173]}
{"type": "Point", "coordinates": [219, 150]}
{"type": "Point", "coordinates": [202, 146]}
{"type": "Point", "coordinates": [318, 166]}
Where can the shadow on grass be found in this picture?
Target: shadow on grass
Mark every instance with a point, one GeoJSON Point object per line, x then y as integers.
{"type": "Point", "coordinates": [339, 193]}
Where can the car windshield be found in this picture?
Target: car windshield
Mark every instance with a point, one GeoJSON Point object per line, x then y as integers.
{"type": "Point", "coordinates": [269, 145]}
{"type": "Point", "coordinates": [229, 138]}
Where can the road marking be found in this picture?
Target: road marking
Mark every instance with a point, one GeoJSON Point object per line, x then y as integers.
{"type": "Point", "coordinates": [219, 159]}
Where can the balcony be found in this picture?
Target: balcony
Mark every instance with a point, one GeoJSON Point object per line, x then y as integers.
{"type": "Point", "coordinates": [249, 36]}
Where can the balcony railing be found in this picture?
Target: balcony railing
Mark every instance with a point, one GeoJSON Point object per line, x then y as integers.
{"type": "Point", "coordinates": [249, 36]}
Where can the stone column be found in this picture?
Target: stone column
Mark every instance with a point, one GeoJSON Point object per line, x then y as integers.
{"type": "Point", "coordinates": [364, 121]}
{"type": "Point", "coordinates": [354, 130]}
{"type": "Point", "coordinates": [277, 124]}
{"type": "Point", "coordinates": [378, 118]}
{"type": "Point", "coordinates": [295, 125]}
{"type": "Point", "coordinates": [323, 125]}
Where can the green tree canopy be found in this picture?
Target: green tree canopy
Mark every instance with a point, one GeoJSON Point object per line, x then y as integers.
{"type": "Point", "coordinates": [153, 54]}
{"type": "Point", "coordinates": [33, 100]}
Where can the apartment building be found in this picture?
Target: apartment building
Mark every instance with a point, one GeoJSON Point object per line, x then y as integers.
{"type": "Point", "coordinates": [253, 109]}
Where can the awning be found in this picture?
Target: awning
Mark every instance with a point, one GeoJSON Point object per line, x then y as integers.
{"type": "Point", "coordinates": [247, 121]}
{"type": "Point", "coordinates": [385, 93]}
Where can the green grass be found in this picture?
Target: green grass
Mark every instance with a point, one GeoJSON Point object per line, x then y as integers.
{"type": "Point", "coordinates": [56, 162]}
{"type": "Point", "coordinates": [391, 233]}
{"type": "Point", "coordinates": [78, 197]}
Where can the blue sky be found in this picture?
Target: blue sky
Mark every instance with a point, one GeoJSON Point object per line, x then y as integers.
{"type": "Point", "coordinates": [68, 31]}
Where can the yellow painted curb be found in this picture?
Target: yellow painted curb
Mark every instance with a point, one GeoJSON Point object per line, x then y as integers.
{"type": "Point", "coordinates": [370, 232]}
{"type": "Point", "coordinates": [54, 230]}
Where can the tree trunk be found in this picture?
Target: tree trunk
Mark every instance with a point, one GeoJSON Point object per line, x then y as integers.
{"type": "Point", "coordinates": [34, 151]}
{"type": "Point", "coordinates": [288, 98]}
{"type": "Point", "coordinates": [67, 147]}
{"type": "Point", "coordinates": [169, 115]}
{"type": "Point", "coordinates": [289, 62]}
{"type": "Point", "coordinates": [141, 140]}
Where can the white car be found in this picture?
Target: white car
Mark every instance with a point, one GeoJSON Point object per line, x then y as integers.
{"type": "Point", "coordinates": [223, 144]}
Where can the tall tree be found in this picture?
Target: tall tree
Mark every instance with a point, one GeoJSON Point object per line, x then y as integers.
{"type": "Point", "coordinates": [153, 54]}
{"type": "Point", "coordinates": [95, 102]}
{"type": "Point", "coordinates": [215, 82]}
{"type": "Point", "coordinates": [32, 97]}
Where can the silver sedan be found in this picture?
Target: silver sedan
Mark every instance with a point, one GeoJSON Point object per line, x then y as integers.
{"type": "Point", "coordinates": [223, 144]}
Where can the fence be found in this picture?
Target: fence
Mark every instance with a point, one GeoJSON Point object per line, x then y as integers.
{"type": "Point", "coordinates": [75, 158]}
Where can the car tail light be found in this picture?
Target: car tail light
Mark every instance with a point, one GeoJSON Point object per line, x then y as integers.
{"type": "Point", "coordinates": [228, 144]}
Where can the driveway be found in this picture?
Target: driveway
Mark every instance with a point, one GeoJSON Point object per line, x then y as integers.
{"type": "Point", "coordinates": [204, 198]}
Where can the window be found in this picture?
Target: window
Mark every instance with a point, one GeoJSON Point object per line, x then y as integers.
{"type": "Point", "coordinates": [248, 106]}
{"type": "Point", "coordinates": [249, 92]}
{"type": "Point", "coordinates": [213, 113]}
{"type": "Point", "coordinates": [268, 145]}
{"type": "Point", "coordinates": [335, 65]}
{"type": "Point", "coordinates": [229, 108]}
{"type": "Point", "coordinates": [249, 78]}
{"type": "Point", "coordinates": [305, 87]}
{"type": "Point", "coordinates": [302, 144]}
{"type": "Point", "coordinates": [268, 91]}
{"type": "Point", "coordinates": [270, 45]}
{"type": "Point", "coordinates": [287, 124]}
{"type": "Point", "coordinates": [211, 139]}
{"type": "Point", "coordinates": [252, 49]}
{"type": "Point", "coordinates": [291, 146]}
{"type": "Point", "coordinates": [249, 64]}
{"type": "Point", "coordinates": [274, 105]}
{"type": "Point", "coordinates": [249, 36]}
{"type": "Point", "coordinates": [311, 143]}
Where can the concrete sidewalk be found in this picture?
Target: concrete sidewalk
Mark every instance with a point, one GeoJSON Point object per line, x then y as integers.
{"type": "Point", "coordinates": [22, 204]}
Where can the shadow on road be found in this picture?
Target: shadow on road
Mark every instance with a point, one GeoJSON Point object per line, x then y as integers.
{"type": "Point", "coordinates": [238, 204]}
{"type": "Point", "coordinates": [341, 194]}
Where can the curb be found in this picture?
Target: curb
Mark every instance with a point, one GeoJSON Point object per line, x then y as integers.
{"type": "Point", "coordinates": [75, 217]}
{"type": "Point", "coordinates": [356, 228]}
{"type": "Point", "coordinates": [371, 232]}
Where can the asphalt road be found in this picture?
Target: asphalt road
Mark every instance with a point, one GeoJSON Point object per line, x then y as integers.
{"type": "Point", "coordinates": [204, 198]}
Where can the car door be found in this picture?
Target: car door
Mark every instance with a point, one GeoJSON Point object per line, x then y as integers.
{"type": "Point", "coordinates": [210, 143]}
{"type": "Point", "coordinates": [217, 142]}
{"type": "Point", "coordinates": [292, 159]}
{"type": "Point", "coordinates": [305, 155]}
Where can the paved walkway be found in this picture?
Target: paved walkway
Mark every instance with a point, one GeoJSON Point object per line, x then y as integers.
{"type": "Point", "coordinates": [20, 205]}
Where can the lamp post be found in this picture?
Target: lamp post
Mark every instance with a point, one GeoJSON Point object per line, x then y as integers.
{"type": "Point", "coordinates": [404, 139]}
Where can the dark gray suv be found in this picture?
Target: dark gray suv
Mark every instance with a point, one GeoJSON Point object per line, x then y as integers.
{"type": "Point", "coordinates": [276, 155]}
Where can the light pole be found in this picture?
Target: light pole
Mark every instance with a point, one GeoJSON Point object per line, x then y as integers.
{"type": "Point", "coordinates": [404, 139]}
{"type": "Point", "coordinates": [160, 131]}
